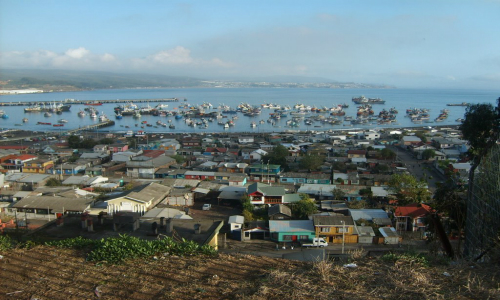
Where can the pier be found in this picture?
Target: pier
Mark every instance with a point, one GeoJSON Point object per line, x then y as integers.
{"type": "Point", "coordinates": [91, 127]}
{"type": "Point", "coordinates": [88, 102]}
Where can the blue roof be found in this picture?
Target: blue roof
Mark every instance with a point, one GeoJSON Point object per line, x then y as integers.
{"type": "Point", "coordinates": [291, 226]}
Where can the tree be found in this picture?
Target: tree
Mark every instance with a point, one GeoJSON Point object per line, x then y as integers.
{"type": "Point", "coordinates": [408, 189]}
{"type": "Point", "coordinates": [277, 156]}
{"type": "Point", "coordinates": [303, 208]}
{"type": "Point", "coordinates": [53, 182]}
{"type": "Point", "coordinates": [246, 204]}
{"type": "Point", "coordinates": [338, 194]}
{"type": "Point", "coordinates": [428, 154]}
{"type": "Point", "coordinates": [481, 127]}
{"type": "Point", "coordinates": [178, 158]}
{"type": "Point", "coordinates": [387, 153]}
{"type": "Point", "coordinates": [74, 141]}
{"type": "Point", "coordinates": [311, 162]}
{"type": "Point", "coordinates": [106, 141]}
{"type": "Point", "coordinates": [421, 135]}
{"type": "Point", "coordinates": [450, 199]}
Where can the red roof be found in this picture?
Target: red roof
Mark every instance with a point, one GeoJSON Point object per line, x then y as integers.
{"type": "Point", "coordinates": [413, 210]}
{"type": "Point", "coordinates": [14, 147]}
{"type": "Point", "coordinates": [24, 157]}
{"type": "Point", "coordinates": [153, 153]}
{"type": "Point", "coordinates": [361, 152]}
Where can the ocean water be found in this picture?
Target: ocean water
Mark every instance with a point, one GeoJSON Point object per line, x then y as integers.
{"type": "Point", "coordinates": [432, 99]}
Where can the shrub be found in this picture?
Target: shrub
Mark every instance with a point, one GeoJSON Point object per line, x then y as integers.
{"type": "Point", "coordinates": [407, 257]}
{"type": "Point", "coordinates": [5, 243]}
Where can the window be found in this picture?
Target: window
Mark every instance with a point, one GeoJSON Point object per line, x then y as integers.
{"type": "Point", "coordinates": [341, 230]}
{"type": "Point", "coordinates": [304, 237]}
{"type": "Point", "coordinates": [324, 229]}
{"type": "Point", "coordinates": [287, 237]}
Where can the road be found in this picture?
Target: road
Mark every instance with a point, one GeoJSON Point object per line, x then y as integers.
{"type": "Point", "coordinates": [419, 168]}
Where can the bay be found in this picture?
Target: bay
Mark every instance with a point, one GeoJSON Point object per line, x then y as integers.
{"type": "Point", "coordinates": [401, 99]}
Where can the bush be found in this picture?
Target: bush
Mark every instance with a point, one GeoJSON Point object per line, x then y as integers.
{"type": "Point", "coordinates": [5, 242]}
{"type": "Point", "coordinates": [407, 257]}
{"type": "Point", "coordinates": [118, 249]}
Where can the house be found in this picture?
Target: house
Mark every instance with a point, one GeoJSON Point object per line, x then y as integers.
{"type": "Point", "coordinates": [356, 154]}
{"type": "Point", "coordinates": [367, 215]}
{"type": "Point", "coordinates": [68, 169]}
{"type": "Point", "coordinates": [409, 140]}
{"type": "Point", "coordinates": [302, 178]}
{"type": "Point", "coordinates": [412, 217]}
{"type": "Point", "coordinates": [365, 234]}
{"type": "Point", "coordinates": [390, 235]}
{"type": "Point", "coordinates": [146, 165]}
{"type": "Point", "coordinates": [288, 231]}
{"type": "Point", "coordinates": [260, 193]}
{"type": "Point", "coordinates": [255, 230]}
{"type": "Point", "coordinates": [125, 155]}
{"type": "Point", "coordinates": [236, 226]}
{"type": "Point", "coordinates": [115, 148]}
{"type": "Point", "coordinates": [44, 207]}
{"type": "Point", "coordinates": [245, 139]}
{"type": "Point", "coordinates": [336, 229]}
{"type": "Point", "coordinates": [231, 195]}
{"type": "Point", "coordinates": [232, 167]}
{"type": "Point", "coordinates": [190, 142]}
{"type": "Point", "coordinates": [264, 172]}
{"type": "Point", "coordinates": [257, 154]}
{"type": "Point", "coordinates": [42, 166]}
{"type": "Point", "coordinates": [101, 148]}
{"type": "Point", "coordinates": [139, 201]}
{"type": "Point", "coordinates": [16, 162]}
{"type": "Point", "coordinates": [279, 212]}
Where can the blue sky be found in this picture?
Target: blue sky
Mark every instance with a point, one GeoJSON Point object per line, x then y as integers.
{"type": "Point", "coordinates": [451, 44]}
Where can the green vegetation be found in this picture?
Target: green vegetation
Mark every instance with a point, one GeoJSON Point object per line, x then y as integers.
{"type": "Point", "coordinates": [178, 158]}
{"type": "Point", "coordinates": [53, 182]}
{"type": "Point", "coordinates": [408, 189]}
{"type": "Point", "coordinates": [5, 242]}
{"type": "Point", "coordinates": [118, 249]}
{"type": "Point", "coordinates": [57, 79]}
{"type": "Point", "coordinates": [428, 154]}
{"type": "Point", "coordinates": [311, 162]}
{"type": "Point", "coordinates": [410, 258]}
{"type": "Point", "coordinates": [305, 207]}
{"type": "Point", "coordinates": [277, 156]}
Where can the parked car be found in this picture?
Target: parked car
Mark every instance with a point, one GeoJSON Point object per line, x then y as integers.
{"type": "Point", "coordinates": [316, 242]}
{"type": "Point", "coordinates": [206, 207]}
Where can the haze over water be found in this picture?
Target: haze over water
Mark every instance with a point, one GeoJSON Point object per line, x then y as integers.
{"type": "Point", "coordinates": [433, 99]}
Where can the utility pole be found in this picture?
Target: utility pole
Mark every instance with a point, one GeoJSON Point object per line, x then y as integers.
{"type": "Point", "coordinates": [343, 236]}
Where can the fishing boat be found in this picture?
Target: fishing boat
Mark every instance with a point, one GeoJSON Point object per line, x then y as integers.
{"type": "Point", "coordinates": [92, 103]}
{"type": "Point", "coordinates": [25, 120]}
{"type": "Point", "coordinates": [47, 114]}
{"type": "Point", "coordinates": [62, 121]}
{"type": "Point", "coordinates": [119, 116]}
{"type": "Point", "coordinates": [81, 113]}
{"type": "Point", "coordinates": [58, 125]}
{"type": "Point", "coordinates": [171, 126]}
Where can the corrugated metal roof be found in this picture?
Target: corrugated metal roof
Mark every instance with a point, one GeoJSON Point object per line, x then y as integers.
{"type": "Point", "coordinates": [56, 204]}
{"type": "Point", "coordinates": [367, 214]}
{"type": "Point", "coordinates": [333, 220]}
{"type": "Point", "coordinates": [291, 226]}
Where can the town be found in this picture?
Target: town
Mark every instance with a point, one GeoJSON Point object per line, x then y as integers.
{"type": "Point", "coordinates": [247, 193]}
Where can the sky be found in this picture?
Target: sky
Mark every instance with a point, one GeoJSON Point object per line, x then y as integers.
{"type": "Point", "coordinates": [412, 44]}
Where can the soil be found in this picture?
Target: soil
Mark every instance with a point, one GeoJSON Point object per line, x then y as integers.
{"type": "Point", "coordinates": [51, 273]}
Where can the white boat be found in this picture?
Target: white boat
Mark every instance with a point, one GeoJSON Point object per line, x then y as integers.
{"type": "Point", "coordinates": [25, 120]}
{"type": "Point", "coordinates": [81, 113]}
{"type": "Point", "coordinates": [62, 121]}
{"type": "Point", "coordinates": [47, 114]}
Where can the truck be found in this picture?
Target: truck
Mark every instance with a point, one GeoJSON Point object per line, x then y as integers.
{"type": "Point", "coordinates": [316, 242]}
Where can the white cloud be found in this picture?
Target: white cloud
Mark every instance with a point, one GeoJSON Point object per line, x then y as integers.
{"type": "Point", "coordinates": [78, 53]}
{"type": "Point", "coordinates": [79, 58]}
{"type": "Point", "coordinates": [178, 55]}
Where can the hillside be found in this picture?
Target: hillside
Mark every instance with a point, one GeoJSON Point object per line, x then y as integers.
{"type": "Point", "coordinates": [51, 273]}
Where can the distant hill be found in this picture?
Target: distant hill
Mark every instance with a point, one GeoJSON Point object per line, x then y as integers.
{"type": "Point", "coordinates": [63, 80]}
{"type": "Point", "coordinates": [84, 80]}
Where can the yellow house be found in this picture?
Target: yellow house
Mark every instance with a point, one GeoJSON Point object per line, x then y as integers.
{"type": "Point", "coordinates": [38, 166]}
{"type": "Point", "coordinates": [335, 229]}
